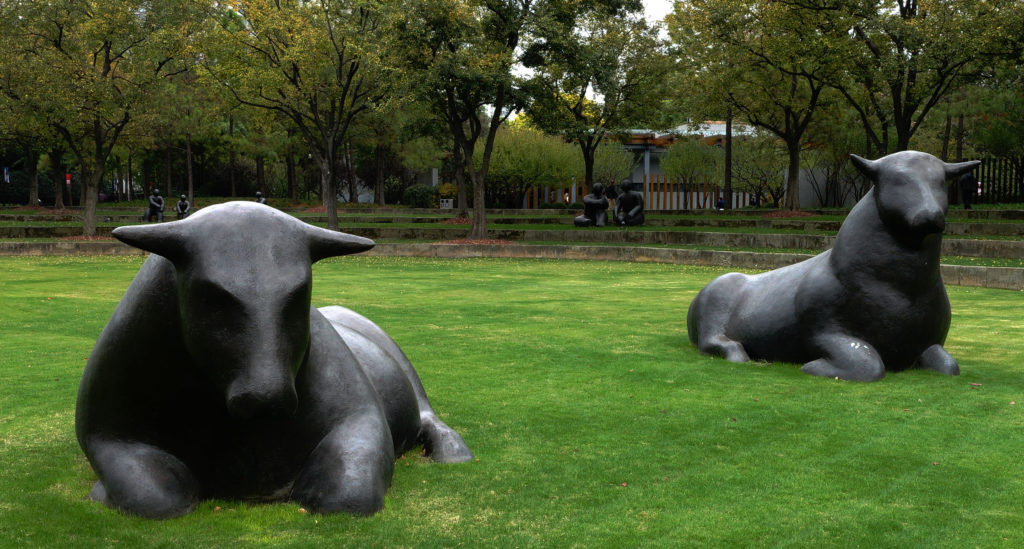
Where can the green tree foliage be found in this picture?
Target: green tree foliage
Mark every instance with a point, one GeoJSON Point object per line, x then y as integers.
{"type": "Point", "coordinates": [612, 164]}
{"type": "Point", "coordinates": [319, 65]}
{"type": "Point", "coordinates": [691, 161]}
{"type": "Point", "coordinates": [88, 68]}
{"type": "Point", "coordinates": [524, 158]}
{"type": "Point", "coordinates": [902, 57]}
{"type": "Point", "coordinates": [758, 167]}
{"type": "Point", "coordinates": [767, 58]}
{"type": "Point", "coordinates": [596, 74]}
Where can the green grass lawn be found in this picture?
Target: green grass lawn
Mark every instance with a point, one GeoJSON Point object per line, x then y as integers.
{"type": "Point", "coordinates": [593, 420]}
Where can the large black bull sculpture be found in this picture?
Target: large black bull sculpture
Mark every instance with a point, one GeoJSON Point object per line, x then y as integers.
{"type": "Point", "coordinates": [216, 379]}
{"type": "Point", "coordinates": [872, 303]}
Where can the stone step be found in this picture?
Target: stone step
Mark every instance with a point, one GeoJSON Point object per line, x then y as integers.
{"type": "Point", "coordinates": [1010, 278]}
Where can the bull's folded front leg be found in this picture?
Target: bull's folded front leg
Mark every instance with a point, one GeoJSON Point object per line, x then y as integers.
{"type": "Point", "coordinates": [845, 357]}
{"type": "Point", "coordinates": [141, 479]}
{"type": "Point", "coordinates": [350, 470]}
{"type": "Point", "coordinates": [938, 359]}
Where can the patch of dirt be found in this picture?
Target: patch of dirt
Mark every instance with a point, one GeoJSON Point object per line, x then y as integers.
{"type": "Point", "coordinates": [316, 209]}
{"type": "Point", "coordinates": [787, 213]}
{"type": "Point", "coordinates": [478, 241]}
{"type": "Point", "coordinates": [458, 221]}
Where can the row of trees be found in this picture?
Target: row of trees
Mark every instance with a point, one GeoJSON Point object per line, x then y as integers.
{"type": "Point", "coordinates": [413, 79]}
{"type": "Point", "coordinates": [800, 69]}
{"type": "Point", "coordinates": [349, 89]}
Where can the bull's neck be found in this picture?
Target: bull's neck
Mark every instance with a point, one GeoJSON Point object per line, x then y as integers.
{"type": "Point", "coordinates": [867, 248]}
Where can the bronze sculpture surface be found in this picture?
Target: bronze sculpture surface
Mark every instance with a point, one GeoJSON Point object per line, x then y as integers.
{"type": "Point", "coordinates": [254, 394]}
{"type": "Point", "coordinates": [595, 208]}
{"type": "Point", "coordinates": [874, 302]}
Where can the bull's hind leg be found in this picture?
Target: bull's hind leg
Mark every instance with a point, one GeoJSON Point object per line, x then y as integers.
{"type": "Point", "coordinates": [709, 314]}
{"type": "Point", "coordinates": [846, 357]}
{"type": "Point", "coordinates": [938, 359]}
{"type": "Point", "coordinates": [141, 479]}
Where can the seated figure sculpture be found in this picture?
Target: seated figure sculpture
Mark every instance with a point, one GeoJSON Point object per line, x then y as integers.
{"type": "Point", "coordinates": [254, 394]}
{"type": "Point", "coordinates": [874, 302]}
{"type": "Point", "coordinates": [629, 207]}
{"type": "Point", "coordinates": [595, 208]}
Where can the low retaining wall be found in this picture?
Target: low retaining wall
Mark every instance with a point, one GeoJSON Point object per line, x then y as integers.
{"type": "Point", "coordinates": [1007, 278]}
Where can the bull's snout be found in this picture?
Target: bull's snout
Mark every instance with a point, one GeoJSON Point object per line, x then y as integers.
{"type": "Point", "coordinates": [931, 220]}
{"type": "Point", "coordinates": [262, 394]}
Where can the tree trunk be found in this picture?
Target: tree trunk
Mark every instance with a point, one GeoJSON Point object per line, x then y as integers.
{"type": "Point", "coordinates": [479, 230]}
{"type": "Point", "coordinates": [329, 190]}
{"type": "Point", "coordinates": [793, 177]}
{"type": "Point", "coordinates": [130, 178]}
{"type": "Point", "coordinates": [350, 175]}
{"type": "Point", "coordinates": [589, 151]}
{"type": "Point", "coordinates": [261, 175]}
{"type": "Point", "coordinates": [460, 181]}
{"type": "Point", "coordinates": [57, 165]}
{"type": "Point", "coordinates": [728, 161]}
{"type": "Point", "coordinates": [167, 171]}
{"type": "Point", "coordinates": [378, 176]}
{"type": "Point", "coordinates": [960, 138]}
{"type": "Point", "coordinates": [231, 156]}
{"type": "Point", "coordinates": [188, 163]}
{"type": "Point", "coordinates": [91, 179]}
{"type": "Point", "coordinates": [945, 138]}
{"type": "Point", "coordinates": [32, 167]}
{"type": "Point", "coordinates": [289, 164]}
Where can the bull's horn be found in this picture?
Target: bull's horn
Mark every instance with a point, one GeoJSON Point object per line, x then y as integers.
{"type": "Point", "coordinates": [866, 167]}
{"type": "Point", "coordinates": [324, 243]}
{"type": "Point", "coordinates": [960, 168]}
{"type": "Point", "coordinates": [164, 239]}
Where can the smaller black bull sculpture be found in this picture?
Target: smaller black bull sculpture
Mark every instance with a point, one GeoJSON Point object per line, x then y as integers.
{"type": "Point", "coordinates": [872, 303]}
{"type": "Point", "coordinates": [215, 378]}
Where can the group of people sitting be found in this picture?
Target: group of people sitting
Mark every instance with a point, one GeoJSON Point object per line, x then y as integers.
{"type": "Point", "coordinates": [629, 206]}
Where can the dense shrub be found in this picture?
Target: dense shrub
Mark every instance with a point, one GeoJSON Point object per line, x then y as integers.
{"type": "Point", "coordinates": [420, 196]}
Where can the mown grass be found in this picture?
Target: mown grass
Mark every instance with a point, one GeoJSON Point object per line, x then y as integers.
{"type": "Point", "coordinates": [594, 422]}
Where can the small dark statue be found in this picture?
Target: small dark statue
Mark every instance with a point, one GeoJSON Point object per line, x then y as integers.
{"type": "Point", "coordinates": [253, 394]}
{"type": "Point", "coordinates": [629, 207]}
{"type": "Point", "coordinates": [156, 207]}
{"type": "Point", "coordinates": [595, 208]}
{"type": "Point", "coordinates": [872, 303]}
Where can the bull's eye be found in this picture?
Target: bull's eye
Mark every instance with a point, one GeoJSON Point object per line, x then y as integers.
{"type": "Point", "coordinates": [296, 302]}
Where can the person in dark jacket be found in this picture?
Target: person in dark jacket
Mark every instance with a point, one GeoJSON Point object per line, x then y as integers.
{"type": "Point", "coordinates": [968, 188]}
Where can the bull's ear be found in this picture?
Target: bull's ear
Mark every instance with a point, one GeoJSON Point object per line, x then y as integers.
{"type": "Point", "coordinates": [164, 239]}
{"type": "Point", "coordinates": [324, 243]}
{"type": "Point", "coordinates": [866, 167]}
{"type": "Point", "coordinates": [960, 168]}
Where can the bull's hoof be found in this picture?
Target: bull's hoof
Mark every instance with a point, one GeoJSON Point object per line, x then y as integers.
{"type": "Point", "coordinates": [442, 443]}
{"type": "Point", "coordinates": [937, 359]}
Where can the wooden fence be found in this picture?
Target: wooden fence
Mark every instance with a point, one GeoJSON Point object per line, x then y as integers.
{"type": "Point", "coordinates": [1002, 181]}
{"type": "Point", "coordinates": [660, 194]}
